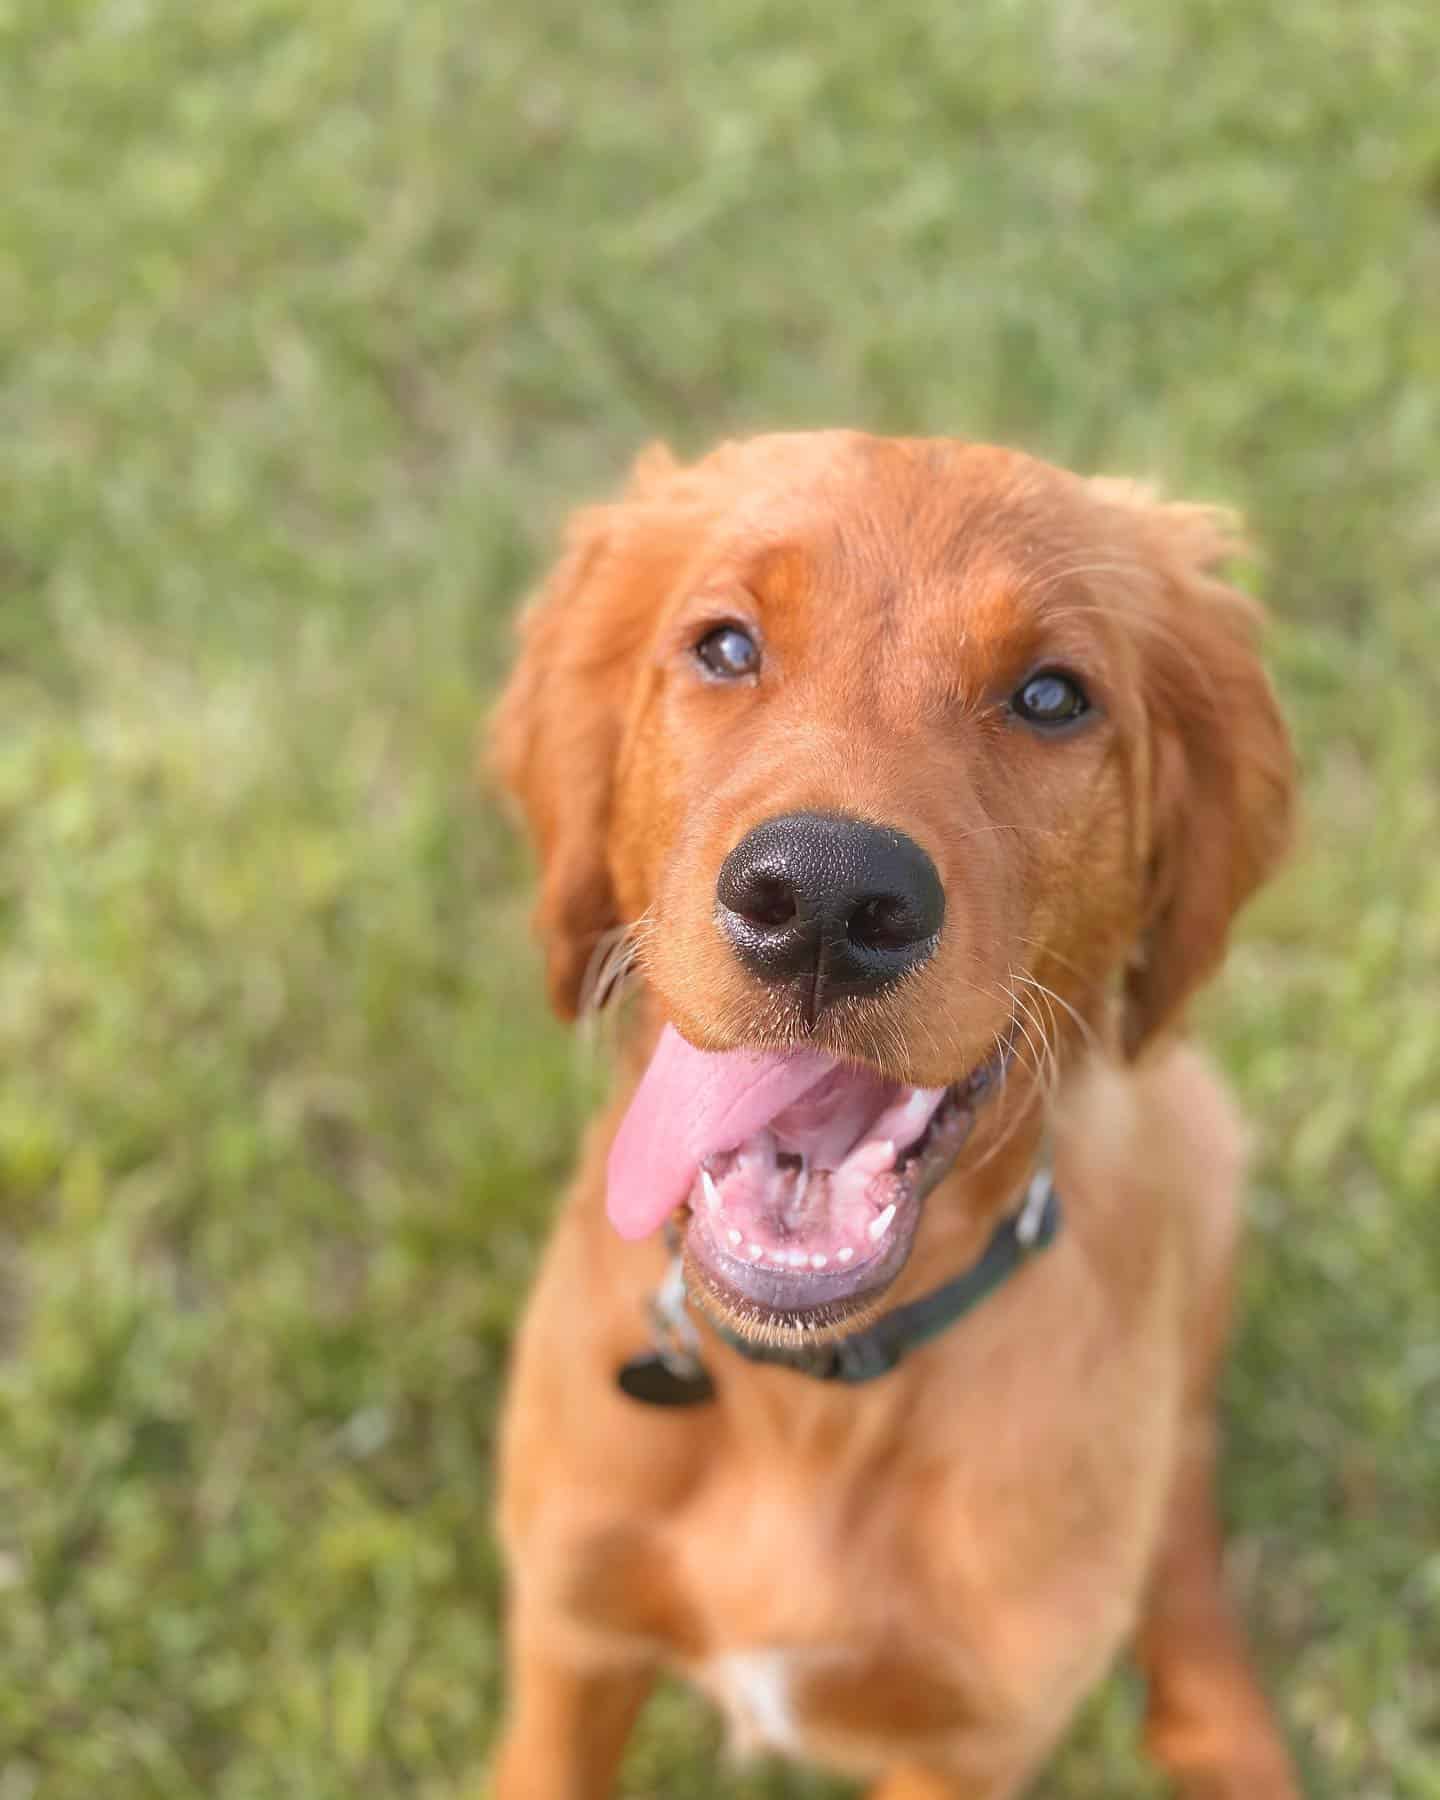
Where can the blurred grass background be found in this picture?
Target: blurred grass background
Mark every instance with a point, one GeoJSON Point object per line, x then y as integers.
{"type": "Point", "coordinates": [313, 322]}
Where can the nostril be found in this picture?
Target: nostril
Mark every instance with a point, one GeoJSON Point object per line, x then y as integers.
{"type": "Point", "coordinates": [766, 900]}
{"type": "Point", "coordinates": [762, 896]}
{"type": "Point", "coordinates": [884, 922]}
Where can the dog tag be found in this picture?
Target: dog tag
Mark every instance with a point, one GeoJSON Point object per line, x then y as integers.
{"type": "Point", "coordinates": [654, 1383]}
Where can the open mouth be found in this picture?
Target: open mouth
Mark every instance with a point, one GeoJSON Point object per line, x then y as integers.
{"type": "Point", "coordinates": [799, 1178]}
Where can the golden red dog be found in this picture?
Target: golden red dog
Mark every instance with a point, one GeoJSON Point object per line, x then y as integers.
{"type": "Point", "coordinates": [924, 781]}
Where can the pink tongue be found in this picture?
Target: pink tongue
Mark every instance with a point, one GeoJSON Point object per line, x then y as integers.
{"type": "Point", "coordinates": [689, 1105]}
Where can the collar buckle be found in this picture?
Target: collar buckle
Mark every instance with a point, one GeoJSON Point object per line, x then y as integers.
{"type": "Point", "coordinates": [677, 1342]}
{"type": "Point", "coordinates": [1030, 1220]}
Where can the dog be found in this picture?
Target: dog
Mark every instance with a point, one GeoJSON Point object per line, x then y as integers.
{"type": "Point", "coordinates": [869, 1377]}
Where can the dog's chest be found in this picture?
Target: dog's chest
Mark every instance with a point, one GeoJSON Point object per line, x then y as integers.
{"type": "Point", "coordinates": [819, 1636]}
{"type": "Point", "coordinates": [756, 1691]}
{"type": "Point", "coordinates": [837, 1617]}
{"type": "Point", "coordinates": [856, 1697]}
{"type": "Point", "coordinates": [844, 1703]}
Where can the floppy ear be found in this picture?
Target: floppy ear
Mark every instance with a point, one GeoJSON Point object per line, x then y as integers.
{"type": "Point", "coordinates": [556, 734]}
{"type": "Point", "coordinates": [1222, 778]}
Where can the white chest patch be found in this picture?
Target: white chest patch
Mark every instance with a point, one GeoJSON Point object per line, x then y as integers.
{"type": "Point", "coordinates": [754, 1688]}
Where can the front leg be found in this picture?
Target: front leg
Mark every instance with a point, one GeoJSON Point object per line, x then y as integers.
{"type": "Point", "coordinates": [568, 1719]}
{"type": "Point", "coordinates": [1207, 1723]}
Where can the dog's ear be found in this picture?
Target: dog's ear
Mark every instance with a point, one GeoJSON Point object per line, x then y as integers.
{"type": "Point", "coordinates": [1221, 797]}
{"type": "Point", "coordinates": [556, 734]}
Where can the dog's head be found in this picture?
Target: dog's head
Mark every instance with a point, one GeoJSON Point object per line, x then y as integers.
{"type": "Point", "coordinates": [909, 763]}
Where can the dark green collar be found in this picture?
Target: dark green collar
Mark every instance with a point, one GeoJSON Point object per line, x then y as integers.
{"type": "Point", "coordinates": [674, 1376]}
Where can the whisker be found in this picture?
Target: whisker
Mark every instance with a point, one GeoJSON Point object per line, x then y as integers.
{"type": "Point", "coordinates": [613, 962]}
{"type": "Point", "coordinates": [1053, 955]}
{"type": "Point", "coordinates": [1042, 1066]}
{"type": "Point", "coordinates": [1087, 1030]}
{"type": "Point", "coordinates": [980, 830]}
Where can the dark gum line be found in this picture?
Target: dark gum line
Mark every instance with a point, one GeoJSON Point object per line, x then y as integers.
{"type": "Point", "coordinates": [797, 1289]}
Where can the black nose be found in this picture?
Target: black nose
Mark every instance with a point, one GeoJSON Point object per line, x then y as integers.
{"type": "Point", "coordinates": [851, 906]}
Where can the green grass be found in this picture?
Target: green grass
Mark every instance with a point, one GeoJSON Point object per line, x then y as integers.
{"type": "Point", "coordinates": [313, 321]}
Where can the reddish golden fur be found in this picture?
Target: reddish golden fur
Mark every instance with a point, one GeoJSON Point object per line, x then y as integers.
{"type": "Point", "coordinates": [928, 1572]}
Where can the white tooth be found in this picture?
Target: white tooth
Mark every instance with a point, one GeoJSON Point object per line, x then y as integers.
{"type": "Point", "coordinates": [780, 1259]}
{"type": "Point", "coordinates": [879, 1226]}
{"type": "Point", "coordinates": [755, 1251]}
{"type": "Point", "coordinates": [733, 1235]}
{"type": "Point", "coordinates": [874, 1158]}
{"type": "Point", "coordinates": [798, 1259]}
{"type": "Point", "coordinates": [817, 1261]}
{"type": "Point", "coordinates": [844, 1256]}
{"type": "Point", "coordinates": [712, 1193]}
{"type": "Point", "coordinates": [917, 1107]}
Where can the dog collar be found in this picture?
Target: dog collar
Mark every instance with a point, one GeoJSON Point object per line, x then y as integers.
{"type": "Point", "coordinates": [673, 1374]}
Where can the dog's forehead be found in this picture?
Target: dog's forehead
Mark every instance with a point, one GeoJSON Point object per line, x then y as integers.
{"type": "Point", "coordinates": [907, 585]}
{"type": "Point", "coordinates": [917, 534]}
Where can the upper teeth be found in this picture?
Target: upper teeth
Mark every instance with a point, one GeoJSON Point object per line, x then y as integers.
{"type": "Point", "coordinates": [918, 1107]}
{"type": "Point", "coordinates": [712, 1193]}
{"type": "Point", "coordinates": [879, 1225]}
{"type": "Point", "coordinates": [873, 1158]}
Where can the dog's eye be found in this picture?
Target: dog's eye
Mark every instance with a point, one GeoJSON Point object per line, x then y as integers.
{"type": "Point", "coordinates": [729, 652]}
{"type": "Point", "coordinates": [1050, 698]}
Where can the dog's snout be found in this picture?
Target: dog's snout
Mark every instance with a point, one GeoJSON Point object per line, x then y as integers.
{"type": "Point", "coordinates": [853, 905]}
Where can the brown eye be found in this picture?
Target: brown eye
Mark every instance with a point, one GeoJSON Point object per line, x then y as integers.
{"type": "Point", "coordinates": [728, 652]}
{"type": "Point", "coordinates": [1050, 698]}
